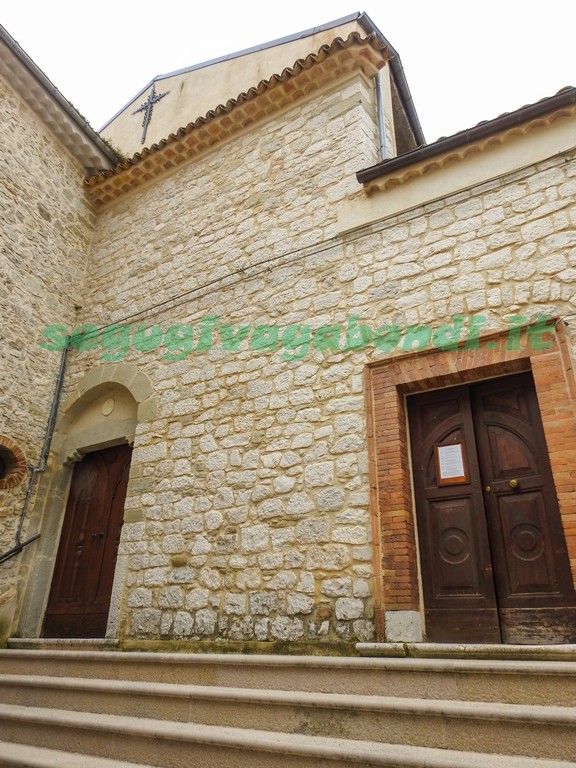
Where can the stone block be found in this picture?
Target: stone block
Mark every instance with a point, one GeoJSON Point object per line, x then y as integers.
{"type": "Point", "coordinates": [282, 580]}
{"type": "Point", "coordinates": [145, 622]}
{"type": "Point", "coordinates": [197, 598]}
{"type": "Point", "coordinates": [341, 587]}
{"type": "Point", "coordinates": [284, 628]}
{"type": "Point", "coordinates": [350, 534]}
{"type": "Point", "coordinates": [332, 557]}
{"type": "Point", "coordinates": [319, 474]}
{"type": "Point", "coordinates": [299, 604]}
{"type": "Point", "coordinates": [308, 531]}
{"type": "Point", "coordinates": [235, 604]}
{"type": "Point", "coordinates": [183, 624]}
{"type": "Point", "coordinates": [205, 621]}
{"type": "Point", "coordinates": [140, 598]}
{"type": "Point", "coordinates": [255, 538]}
{"type": "Point", "coordinates": [329, 500]}
{"type": "Point", "coordinates": [349, 608]}
{"type": "Point", "coordinates": [263, 603]}
{"type": "Point", "coordinates": [171, 597]}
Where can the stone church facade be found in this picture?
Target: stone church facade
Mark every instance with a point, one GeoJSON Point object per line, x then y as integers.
{"type": "Point", "coordinates": [310, 378]}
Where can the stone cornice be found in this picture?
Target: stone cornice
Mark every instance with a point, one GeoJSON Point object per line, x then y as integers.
{"type": "Point", "coordinates": [307, 75]}
{"type": "Point", "coordinates": [506, 154]}
{"type": "Point", "coordinates": [459, 147]}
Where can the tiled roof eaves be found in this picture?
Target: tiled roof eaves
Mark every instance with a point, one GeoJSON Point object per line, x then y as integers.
{"type": "Point", "coordinates": [338, 58]}
{"type": "Point", "coordinates": [399, 169]}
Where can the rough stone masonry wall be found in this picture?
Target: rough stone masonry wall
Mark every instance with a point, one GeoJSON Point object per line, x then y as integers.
{"type": "Point", "coordinates": [47, 226]}
{"type": "Point", "coordinates": [248, 503]}
{"type": "Point", "coordinates": [252, 518]}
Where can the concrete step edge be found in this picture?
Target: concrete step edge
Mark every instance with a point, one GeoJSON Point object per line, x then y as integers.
{"type": "Point", "coordinates": [531, 713]}
{"type": "Point", "coordinates": [373, 753]}
{"type": "Point", "coordinates": [24, 755]}
{"type": "Point", "coordinates": [485, 651]}
{"type": "Point", "coordinates": [478, 651]}
{"type": "Point", "coordinates": [483, 666]}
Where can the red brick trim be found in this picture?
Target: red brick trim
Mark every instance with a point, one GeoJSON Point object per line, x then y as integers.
{"type": "Point", "coordinates": [14, 463]}
{"type": "Point", "coordinates": [387, 382]}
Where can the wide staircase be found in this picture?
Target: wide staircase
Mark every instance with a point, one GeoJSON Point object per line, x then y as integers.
{"type": "Point", "coordinates": [107, 709]}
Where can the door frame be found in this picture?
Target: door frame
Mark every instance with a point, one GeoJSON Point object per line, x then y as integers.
{"type": "Point", "coordinates": [398, 594]}
{"type": "Point", "coordinates": [81, 427]}
{"type": "Point", "coordinates": [478, 509]}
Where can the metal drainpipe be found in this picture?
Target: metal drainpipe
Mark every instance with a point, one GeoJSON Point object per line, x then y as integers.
{"type": "Point", "coordinates": [381, 118]}
{"type": "Point", "coordinates": [42, 463]}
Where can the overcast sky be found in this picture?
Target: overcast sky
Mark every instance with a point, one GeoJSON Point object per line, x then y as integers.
{"type": "Point", "coordinates": [464, 61]}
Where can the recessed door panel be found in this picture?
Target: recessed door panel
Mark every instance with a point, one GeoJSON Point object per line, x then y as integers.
{"type": "Point", "coordinates": [530, 567]}
{"type": "Point", "coordinates": [453, 527]}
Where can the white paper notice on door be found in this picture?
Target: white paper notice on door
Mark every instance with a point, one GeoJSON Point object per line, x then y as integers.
{"type": "Point", "coordinates": [450, 464]}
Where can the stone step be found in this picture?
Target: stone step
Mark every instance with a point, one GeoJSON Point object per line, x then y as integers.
{"type": "Point", "coordinates": [181, 745]}
{"type": "Point", "coordinates": [534, 731]}
{"type": "Point", "coordinates": [496, 652]}
{"type": "Point", "coordinates": [40, 757]}
{"type": "Point", "coordinates": [514, 682]}
{"type": "Point", "coordinates": [491, 651]}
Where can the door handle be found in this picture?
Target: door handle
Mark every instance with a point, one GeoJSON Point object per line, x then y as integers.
{"type": "Point", "coordinates": [513, 484]}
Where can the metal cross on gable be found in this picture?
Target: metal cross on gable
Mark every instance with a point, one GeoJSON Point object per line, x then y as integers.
{"type": "Point", "coordinates": [147, 107]}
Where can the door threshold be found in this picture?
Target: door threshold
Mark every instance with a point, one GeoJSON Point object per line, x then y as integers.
{"type": "Point", "coordinates": [469, 651]}
{"type": "Point", "coordinates": [63, 644]}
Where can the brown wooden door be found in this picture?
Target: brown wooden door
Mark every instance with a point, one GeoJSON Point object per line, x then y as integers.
{"type": "Point", "coordinates": [493, 556]}
{"type": "Point", "coordinates": [82, 583]}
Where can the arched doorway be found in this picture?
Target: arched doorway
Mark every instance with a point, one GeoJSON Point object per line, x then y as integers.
{"type": "Point", "coordinates": [401, 605]}
{"type": "Point", "coordinates": [493, 555]}
{"type": "Point", "coordinates": [81, 591]}
{"type": "Point", "coordinates": [101, 415]}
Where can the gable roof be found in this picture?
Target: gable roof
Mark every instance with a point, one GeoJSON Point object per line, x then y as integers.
{"type": "Point", "coordinates": [194, 90]}
{"type": "Point", "coordinates": [305, 76]}
{"type": "Point", "coordinates": [230, 57]}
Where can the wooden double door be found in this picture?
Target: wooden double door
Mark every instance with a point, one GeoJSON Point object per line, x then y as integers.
{"type": "Point", "coordinates": [81, 589]}
{"type": "Point", "coordinates": [493, 556]}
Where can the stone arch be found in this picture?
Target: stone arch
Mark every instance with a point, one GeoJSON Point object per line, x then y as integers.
{"type": "Point", "coordinates": [107, 404]}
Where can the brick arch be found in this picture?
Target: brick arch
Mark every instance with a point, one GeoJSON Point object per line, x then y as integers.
{"type": "Point", "coordinates": [387, 383]}
{"type": "Point", "coordinates": [13, 463]}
